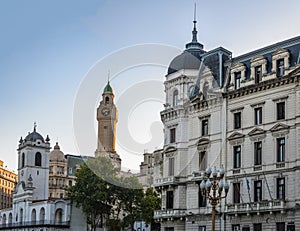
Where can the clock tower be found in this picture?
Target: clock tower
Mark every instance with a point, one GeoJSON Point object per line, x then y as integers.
{"type": "Point", "coordinates": [107, 116]}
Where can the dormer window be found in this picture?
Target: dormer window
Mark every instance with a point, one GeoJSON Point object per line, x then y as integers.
{"type": "Point", "coordinates": [280, 67]}
{"type": "Point", "coordinates": [258, 74]}
{"type": "Point", "coordinates": [237, 80]}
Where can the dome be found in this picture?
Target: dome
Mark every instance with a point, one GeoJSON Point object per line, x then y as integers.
{"type": "Point", "coordinates": [188, 59]}
{"type": "Point", "coordinates": [108, 88]}
{"type": "Point", "coordinates": [56, 155]}
{"type": "Point", "coordinates": [34, 136]}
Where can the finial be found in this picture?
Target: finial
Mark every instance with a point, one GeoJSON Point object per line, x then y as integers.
{"type": "Point", "coordinates": [21, 140]}
{"type": "Point", "coordinates": [34, 126]}
{"type": "Point", "coordinates": [47, 139]}
{"type": "Point", "coordinates": [195, 22]}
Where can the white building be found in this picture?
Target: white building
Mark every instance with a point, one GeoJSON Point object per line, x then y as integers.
{"type": "Point", "coordinates": [242, 113]}
{"type": "Point", "coordinates": [32, 210]}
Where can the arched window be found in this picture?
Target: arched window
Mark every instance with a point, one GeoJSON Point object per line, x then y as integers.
{"type": "Point", "coordinates": [58, 216]}
{"type": "Point", "coordinates": [175, 98]}
{"type": "Point", "coordinates": [10, 219]}
{"type": "Point", "coordinates": [38, 159]}
{"type": "Point", "coordinates": [4, 219]}
{"type": "Point", "coordinates": [42, 215]}
{"type": "Point", "coordinates": [33, 216]}
{"type": "Point", "coordinates": [106, 100]}
{"type": "Point", "coordinates": [23, 160]}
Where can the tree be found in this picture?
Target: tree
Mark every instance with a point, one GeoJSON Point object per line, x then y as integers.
{"type": "Point", "coordinates": [92, 192]}
{"type": "Point", "coordinates": [150, 202]}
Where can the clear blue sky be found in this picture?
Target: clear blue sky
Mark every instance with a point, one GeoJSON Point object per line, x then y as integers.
{"type": "Point", "coordinates": [48, 47]}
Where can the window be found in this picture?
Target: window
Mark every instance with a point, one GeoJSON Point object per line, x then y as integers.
{"type": "Point", "coordinates": [280, 149]}
{"type": "Point", "coordinates": [171, 166]}
{"type": "Point", "coordinates": [257, 153]}
{"type": "Point", "coordinates": [235, 227]}
{"type": "Point", "coordinates": [291, 226]}
{"type": "Point", "coordinates": [204, 129]}
{"type": "Point", "coordinates": [175, 98]}
{"type": "Point", "coordinates": [237, 120]}
{"type": "Point", "coordinates": [202, 228]}
{"type": "Point", "coordinates": [202, 161]}
{"type": "Point", "coordinates": [280, 67]}
{"type": "Point", "coordinates": [172, 135]}
{"type": "Point", "coordinates": [23, 160]}
{"type": "Point", "coordinates": [237, 156]}
{"type": "Point", "coordinates": [280, 226]}
{"type": "Point", "coordinates": [236, 192]}
{"type": "Point", "coordinates": [280, 188]}
{"type": "Point", "coordinates": [281, 111]}
{"type": "Point", "coordinates": [38, 159]}
{"type": "Point", "coordinates": [170, 198]}
{"type": "Point", "coordinates": [237, 80]}
{"type": "Point", "coordinates": [257, 190]}
{"type": "Point", "coordinates": [257, 227]}
{"type": "Point", "coordinates": [258, 74]}
{"type": "Point", "coordinates": [169, 229]}
{"type": "Point", "coordinates": [106, 100]}
{"type": "Point", "coordinates": [202, 198]}
{"type": "Point", "coordinates": [258, 116]}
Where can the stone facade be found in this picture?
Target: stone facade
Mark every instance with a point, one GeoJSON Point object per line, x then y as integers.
{"type": "Point", "coordinates": [241, 113]}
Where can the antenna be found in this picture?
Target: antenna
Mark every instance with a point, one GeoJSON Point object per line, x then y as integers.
{"type": "Point", "coordinates": [108, 75]}
{"type": "Point", "coordinates": [195, 13]}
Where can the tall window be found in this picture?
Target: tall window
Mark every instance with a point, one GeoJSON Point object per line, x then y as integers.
{"type": "Point", "coordinates": [175, 98]}
{"type": "Point", "coordinates": [237, 156]}
{"type": "Point", "coordinates": [202, 228]}
{"type": "Point", "coordinates": [257, 153]}
{"type": "Point", "coordinates": [280, 226]}
{"type": "Point", "coordinates": [202, 199]}
{"type": "Point", "coordinates": [236, 192]}
{"type": "Point", "coordinates": [237, 80]}
{"type": "Point", "coordinates": [257, 190]}
{"type": "Point", "coordinates": [171, 166]}
{"type": "Point", "coordinates": [23, 160]}
{"type": "Point", "coordinates": [202, 161]}
{"type": "Point", "coordinates": [204, 130]}
{"type": "Point", "coordinates": [237, 120]}
{"type": "Point", "coordinates": [38, 159]}
{"type": "Point", "coordinates": [280, 149]}
{"type": "Point", "coordinates": [280, 188]}
{"type": "Point", "coordinates": [257, 227]}
{"type": "Point", "coordinates": [280, 67]}
{"type": "Point", "coordinates": [172, 135]}
{"type": "Point", "coordinates": [106, 100]}
{"type": "Point", "coordinates": [170, 198]}
{"type": "Point", "coordinates": [281, 111]}
{"type": "Point", "coordinates": [235, 227]}
{"type": "Point", "coordinates": [258, 116]}
{"type": "Point", "coordinates": [258, 74]}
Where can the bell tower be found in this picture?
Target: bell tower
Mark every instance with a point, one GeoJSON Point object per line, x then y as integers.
{"type": "Point", "coordinates": [107, 117]}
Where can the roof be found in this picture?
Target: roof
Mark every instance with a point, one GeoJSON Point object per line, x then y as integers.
{"type": "Point", "coordinates": [108, 88]}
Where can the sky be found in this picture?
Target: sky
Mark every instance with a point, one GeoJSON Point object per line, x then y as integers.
{"type": "Point", "coordinates": [56, 56]}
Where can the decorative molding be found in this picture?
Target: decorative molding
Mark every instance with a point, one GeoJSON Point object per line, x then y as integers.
{"type": "Point", "coordinates": [280, 129]}
{"type": "Point", "coordinates": [257, 134]}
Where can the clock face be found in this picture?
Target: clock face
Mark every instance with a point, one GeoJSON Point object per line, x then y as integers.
{"type": "Point", "coordinates": [105, 111]}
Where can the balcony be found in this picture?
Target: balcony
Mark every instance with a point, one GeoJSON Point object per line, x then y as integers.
{"type": "Point", "coordinates": [169, 213]}
{"type": "Point", "coordinates": [166, 181]}
{"type": "Point", "coordinates": [255, 207]}
{"type": "Point", "coordinates": [32, 224]}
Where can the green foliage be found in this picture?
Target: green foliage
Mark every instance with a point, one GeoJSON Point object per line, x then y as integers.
{"type": "Point", "coordinates": [150, 202]}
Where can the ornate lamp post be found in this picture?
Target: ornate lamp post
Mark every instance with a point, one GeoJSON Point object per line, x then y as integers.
{"type": "Point", "coordinates": [213, 189]}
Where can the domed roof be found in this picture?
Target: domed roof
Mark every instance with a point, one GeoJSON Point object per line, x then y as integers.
{"type": "Point", "coordinates": [34, 136]}
{"type": "Point", "coordinates": [108, 88]}
{"type": "Point", "coordinates": [190, 57]}
{"type": "Point", "coordinates": [56, 155]}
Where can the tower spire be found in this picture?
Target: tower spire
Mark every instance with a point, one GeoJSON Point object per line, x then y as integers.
{"type": "Point", "coordinates": [194, 44]}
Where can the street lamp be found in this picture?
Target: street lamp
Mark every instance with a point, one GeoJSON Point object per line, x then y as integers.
{"type": "Point", "coordinates": [213, 189]}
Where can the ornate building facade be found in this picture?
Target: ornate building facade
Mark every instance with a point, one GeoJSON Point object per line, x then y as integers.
{"type": "Point", "coordinates": [8, 179]}
{"type": "Point", "coordinates": [242, 113]}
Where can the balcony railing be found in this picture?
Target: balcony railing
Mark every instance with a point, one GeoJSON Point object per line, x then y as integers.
{"type": "Point", "coordinates": [31, 224]}
{"type": "Point", "coordinates": [168, 213]}
{"type": "Point", "coordinates": [261, 206]}
{"type": "Point", "coordinates": [166, 180]}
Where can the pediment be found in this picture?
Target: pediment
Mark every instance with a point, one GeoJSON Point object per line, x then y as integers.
{"type": "Point", "coordinates": [257, 58]}
{"type": "Point", "coordinates": [236, 135]}
{"type": "Point", "coordinates": [170, 151]}
{"type": "Point", "coordinates": [280, 51]}
{"type": "Point", "coordinates": [237, 65]}
{"type": "Point", "coordinates": [256, 132]}
{"type": "Point", "coordinates": [203, 141]}
{"type": "Point", "coordinates": [279, 127]}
